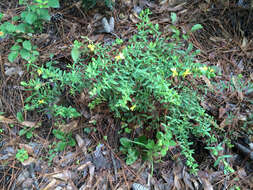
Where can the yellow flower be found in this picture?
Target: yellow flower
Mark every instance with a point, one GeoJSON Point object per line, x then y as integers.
{"type": "Point", "coordinates": [120, 57]}
{"type": "Point", "coordinates": [187, 72]}
{"type": "Point", "coordinates": [174, 72]}
{"type": "Point", "coordinates": [211, 70]}
{"type": "Point", "coordinates": [1, 33]}
{"type": "Point", "coordinates": [91, 47]}
{"type": "Point", "coordinates": [133, 107]}
{"type": "Point", "coordinates": [41, 101]}
{"type": "Point", "coordinates": [39, 71]}
{"type": "Point", "coordinates": [205, 68]}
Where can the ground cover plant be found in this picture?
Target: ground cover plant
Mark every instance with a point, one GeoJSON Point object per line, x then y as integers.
{"type": "Point", "coordinates": [23, 26]}
{"type": "Point", "coordinates": [143, 83]}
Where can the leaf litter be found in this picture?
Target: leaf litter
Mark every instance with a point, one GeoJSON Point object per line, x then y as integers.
{"type": "Point", "coordinates": [91, 165]}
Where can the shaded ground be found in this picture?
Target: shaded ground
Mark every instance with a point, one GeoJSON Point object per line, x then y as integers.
{"type": "Point", "coordinates": [226, 41]}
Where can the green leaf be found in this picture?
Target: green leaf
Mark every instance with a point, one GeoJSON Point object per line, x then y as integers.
{"type": "Point", "coordinates": [59, 134]}
{"type": "Point", "coordinates": [125, 142]}
{"type": "Point", "coordinates": [53, 3]}
{"type": "Point", "coordinates": [10, 27]}
{"type": "Point", "coordinates": [30, 17]}
{"type": "Point", "coordinates": [15, 18]}
{"type": "Point", "coordinates": [75, 54]}
{"type": "Point", "coordinates": [1, 16]}
{"type": "Point", "coordinates": [61, 146]}
{"type": "Point", "coordinates": [21, 28]}
{"type": "Point", "coordinates": [15, 47]}
{"type": "Point", "coordinates": [72, 142]}
{"type": "Point", "coordinates": [44, 14]}
{"type": "Point", "coordinates": [22, 132]}
{"type": "Point", "coordinates": [22, 155]}
{"type": "Point", "coordinates": [20, 117]}
{"type": "Point", "coordinates": [29, 134]}
{"type": "Point", "coordinates": [27, 45]}
{"type": "Point", "coordinates": [25, 54]}
{"type": "Point", "coordinates": [173, 17]}
{"type": "Point", "coordinates": [196, 27]}
{"type": "Point", "coordinates": [13, 55]}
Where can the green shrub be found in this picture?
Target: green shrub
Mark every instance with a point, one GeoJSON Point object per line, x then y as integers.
{"type": "Point", "coordinates": [23, 26]}
{"type": "Point", "coordinates": [145, 83]}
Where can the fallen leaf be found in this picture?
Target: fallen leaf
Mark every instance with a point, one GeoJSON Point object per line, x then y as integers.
{"type": "Point", "coordinates": [30, 124]}
{"type": "Point", "coordinates": [29, 161]}
{"type": "Point", "coordinates": [6, 120]}
{"type": "Point", "coordinates": [51, 185]}
{"type": "Point", "coordinates": [13, 71]}
{"type": "Point", "coordinates": [64, 176]}
{"type": "Point", "coordinates": [69, 127]}
{"type": "Point", "coordinates": [222, 111]}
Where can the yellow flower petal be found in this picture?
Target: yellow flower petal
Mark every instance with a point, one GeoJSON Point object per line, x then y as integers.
{"type": "Point", "coordinates": [174, 72]}
{"type": "Point", "coordinates": [187, 72]}
{"type": "Point", "coordinates": [205, 68]}
{"type": "Point", "coordinates": [39, 71]}
{"type": "Point", "coordinates": [211, 70]}
{"type": "Point", "coordinates": [1, 33]}
{"type": "Point", "coordinates": [119, 57]}
{"type": "Point", "coordinates": [91, 47]}
{"type": "Point", "coordinates": [41, 101]}
{"type": "Point", "coordinates": [133, 107]}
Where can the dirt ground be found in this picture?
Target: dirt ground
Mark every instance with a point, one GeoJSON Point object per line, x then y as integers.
{"type": "Point", "coordinates": [226, 41]}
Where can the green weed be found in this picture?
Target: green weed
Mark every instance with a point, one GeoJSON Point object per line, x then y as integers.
{"type": "Point", "coordinates": [22, 27]}
{"type": "Point", "coordinates": [22, 155]}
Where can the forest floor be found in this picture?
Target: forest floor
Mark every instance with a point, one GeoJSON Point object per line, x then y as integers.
{"type": "Point", "coordinates": [226, 41]}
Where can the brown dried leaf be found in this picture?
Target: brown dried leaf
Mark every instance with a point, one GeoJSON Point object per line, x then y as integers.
{"type": "Point", "coordinates": [177, 183]}
{"type": "Point", "coordinates": [133, 19]}
{"type": "Point", "coordinates": [29, 161]}
{"type": "Point", "coordinates": [204, 177]}
{"type": "Point", "coordinates": [64, 176]}
{"type": "Point", "coordinates": [206, 184]}
{"type": "Point", "coordinates": [222, 111]}
{"type": "Point", "coordinates": [80, 168]}
{"type": "Point", "coordinates": [30, 124]}
{"type": "Point", "coordinates": [70, 127]}
{"type": "Point", "coordinates": [241, 173]}
{"type": "Point", "coordinates": [187, 179]}
{"type": "Point", "coordinates": [91, 172]}
{"type": "Point", "coordinates": [6, 120]}
{"type": "Point", "coordinates": [51, 185]}
{"type": "Point", "coordinates": [177, 171]}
